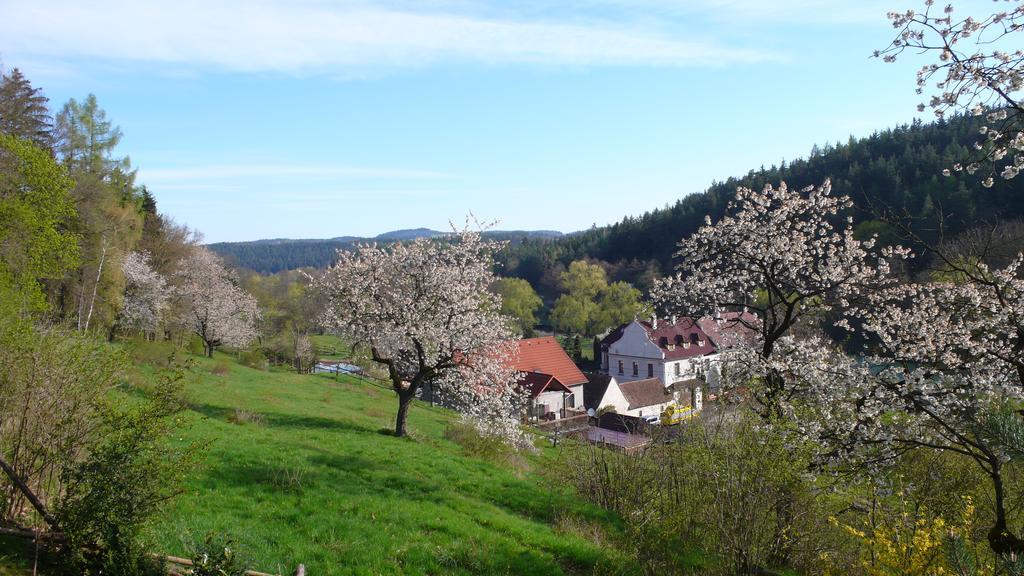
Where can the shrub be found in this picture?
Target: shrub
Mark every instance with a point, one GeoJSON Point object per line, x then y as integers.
{"type": "Point", "coordinates": [221, 368]}
{"type": "Point", "coordinates": [216, 556]}
{"type": "Point", "coordinates": [240, 416]}
{"type": "Point", "coordinates": [490, 448]}
{"type": "Point", "coordinates": [160, 353]}
{"type": "Point", "coordinates": [117, 489]}
{"type": "Point", "coordinates": [196, 346]}
{"type": "Point", "coordinates": [253, 359]}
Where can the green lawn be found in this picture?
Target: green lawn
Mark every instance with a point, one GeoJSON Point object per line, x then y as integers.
{"type": "Point", "coordinates": [312, 479]}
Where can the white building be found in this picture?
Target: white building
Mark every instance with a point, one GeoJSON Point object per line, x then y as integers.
{"type": "Point", "coordinates": [671, 350]}
{"type": "Point", "coordinates": [645, 397]}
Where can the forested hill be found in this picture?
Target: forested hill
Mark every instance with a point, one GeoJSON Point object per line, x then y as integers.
{"type": "Point", "coordinates": [900, 169]}
{"type": "Point", "coordinates": [275, 255]}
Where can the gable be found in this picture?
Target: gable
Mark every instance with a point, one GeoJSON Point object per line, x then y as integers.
{"type": "Point", "coordinates": [635, 342]}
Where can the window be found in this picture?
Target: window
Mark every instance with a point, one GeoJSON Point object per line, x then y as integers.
{"type": "Point", "coordinates": [636, 369]}
{"type": "Point", "coordinates": [571, 401]}
{"type": "Point", "coordinates": [620, 367]}
{"type": "Point", "coordinates": [650, 370]}
{"type": "Point", "coordinates": [677, 368]}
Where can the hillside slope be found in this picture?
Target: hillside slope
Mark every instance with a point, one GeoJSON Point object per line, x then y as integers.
{"type": "Point", "coordinates": [309, 477]}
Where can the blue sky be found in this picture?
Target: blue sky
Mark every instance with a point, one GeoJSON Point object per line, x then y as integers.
{"type": "Point", "coordinates": [311, 119]}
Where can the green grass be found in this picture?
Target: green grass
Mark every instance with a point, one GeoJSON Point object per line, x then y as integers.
{"type": "Point", "coordinates": [309, 477]}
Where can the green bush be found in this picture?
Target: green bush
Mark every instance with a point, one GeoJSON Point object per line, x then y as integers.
{"type": "Point", "coordinates": [195, 346]}
{"type": "Point", "coordinates": [221, 368]}
{"type": "Point", "coordinates": [159, 353]}
{"type": "Point", "coordinates": [216, 556]}
{"type": "Point", "coordinates": [490, 448]}
{"type": "Point", "coordinates": [119, 487]}
{"type": "Point", "coordinates": [253, 359]}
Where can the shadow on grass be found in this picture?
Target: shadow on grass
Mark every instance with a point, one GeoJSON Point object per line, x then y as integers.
{"type": "Point", "coordinates": [278, 420]}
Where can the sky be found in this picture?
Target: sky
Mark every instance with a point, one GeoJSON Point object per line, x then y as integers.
{"type": "Point", "coordinates": [252, 119]}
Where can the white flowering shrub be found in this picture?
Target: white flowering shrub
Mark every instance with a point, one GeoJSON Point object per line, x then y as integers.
{"type": "Point", "coordinates": [424, 311]}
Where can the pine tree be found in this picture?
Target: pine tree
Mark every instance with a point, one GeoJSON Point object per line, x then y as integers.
{"type": "Point", "coordinates": [23, 110]}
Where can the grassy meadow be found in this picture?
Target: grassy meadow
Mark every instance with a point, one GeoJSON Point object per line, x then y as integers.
{"type": "Point", "coordinates": [299, 468]}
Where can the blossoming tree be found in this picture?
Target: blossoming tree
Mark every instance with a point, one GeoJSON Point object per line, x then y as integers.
{"type": "Point", "coordinates": [425, 312]}
{"type": "Point", "coordinates": [146, 294]}
{"type": "Point", "coordinates": [949, 376]}
{"type": "Point", "coordinates": [216, 309]}
{"type": "Point", "coordinates": [978, 71]}
{"type": "Point", "coordinates": [779, 257]}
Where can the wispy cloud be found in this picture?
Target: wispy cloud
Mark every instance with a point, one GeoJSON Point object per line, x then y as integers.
{"type": "Point", "coordinates": [297, 38]}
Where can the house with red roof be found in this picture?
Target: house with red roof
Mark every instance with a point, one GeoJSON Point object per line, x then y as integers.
{"type": "Point", "coordinates": [669, 349]}
{"type": "Point", "coordinates": [554, 381]}
{"type": "Point", "coordinates": [672, 353]}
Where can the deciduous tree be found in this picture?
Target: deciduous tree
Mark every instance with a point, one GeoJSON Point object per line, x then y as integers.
{"type": "Point", "coordinates": [978, 69]}
{"type": "Point", "coordinates": [425, 312]}
{"type": "Point", "coordinates": [519, 301]}
{"type": "Point", "coordinates": [146, 294]}
{"type": "Point", "coordinates": [216, 309]}
{"type": "Point", "coordinates": [779, 257]}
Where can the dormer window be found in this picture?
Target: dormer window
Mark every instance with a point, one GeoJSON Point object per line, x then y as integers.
{"type": "Point", "coordinates": [694, 338]}
{"type": "Point", "coordinates": [679, 339]}
{"type": "Point", "coordinates": [663, 341]}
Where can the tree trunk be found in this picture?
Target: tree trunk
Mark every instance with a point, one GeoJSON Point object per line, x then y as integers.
{"type": "Point", "coordinates": [1000, 539]}
{"type": "Point", "coordinates": [96, 285]}
{"type": "Point", "coordinates": [404, 401]}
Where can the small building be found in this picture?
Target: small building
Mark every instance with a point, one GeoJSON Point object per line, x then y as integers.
{"type": "Point", "coordinates": [554, 381]}
{"type": "Point", "coordinates": [639, 398]}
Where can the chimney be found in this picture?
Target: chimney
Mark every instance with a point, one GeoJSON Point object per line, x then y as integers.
{"type": "Point", "coordinates": [673, 319]}
{"type": "Point", "coordinates": [654, 321]}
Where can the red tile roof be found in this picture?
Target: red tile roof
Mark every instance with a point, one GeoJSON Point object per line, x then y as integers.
{"type": "Point", "coordinates": [545, 356]}
{"type": "Point", "coordinates": [539, 382]}
{"type": "Point", "coordinates": [730, 328]}
{"type": "Point", "coordinates": [683, 339]}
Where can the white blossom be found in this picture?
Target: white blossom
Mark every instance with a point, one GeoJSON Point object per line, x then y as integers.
{"type": "Point", "coordinates": [424, 311]}
{"type": "Point", "coordinates": [146, 294]}
{"type": "Point", "coordinates": [215, 308]}
{"type": "Point", "coordinates": [979, 70]}
{"type": "Point", "coordinates": [779, 257]}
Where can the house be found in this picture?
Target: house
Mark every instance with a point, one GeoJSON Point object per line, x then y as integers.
{"type": "Point", "coordinates": [639, 398]}
{"type": "Point", "coordinates": [674, 349]}
{"type": "Point", "coordinates": [670, 350]}
{"type": "Point", "coordinates": [552, 378]}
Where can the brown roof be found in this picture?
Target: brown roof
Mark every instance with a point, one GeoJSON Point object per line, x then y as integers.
{"type": "Point", "coordinates": [538, 382]}
{"type": "Point", "coordinates": [594, 389]}
{"type": "Point", "coordinates": [729, 328]}
{"type": "Point", "coordinates": [641, 393]}
{"type": "Point", "coordinates": [544, 355]}
{"type": "Point", "coordinates": [683, 339]}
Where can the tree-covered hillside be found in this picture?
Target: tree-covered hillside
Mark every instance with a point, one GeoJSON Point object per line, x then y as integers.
{"type": "Point", "coordinates": [273, 256]}
{"type": "Point", "coordinates": [898, 170]}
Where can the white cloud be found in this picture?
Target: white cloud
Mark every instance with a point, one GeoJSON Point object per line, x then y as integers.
{"type": "Point", "coordinates": [301, 38]}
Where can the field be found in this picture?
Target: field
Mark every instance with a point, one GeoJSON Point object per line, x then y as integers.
{"type": "Point", "coordinates": [298, 468]}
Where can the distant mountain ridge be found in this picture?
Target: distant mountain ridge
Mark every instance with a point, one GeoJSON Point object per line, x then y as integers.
{"type": "Point", "coordinates": [272, 255]}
